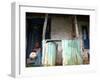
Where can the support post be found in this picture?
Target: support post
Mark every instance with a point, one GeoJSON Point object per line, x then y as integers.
{"type": "Point", "coordinates": [76, 27]}
{"type": "Point", "coordinates": [44, 26]}
{"type": "Point", "coordinates": [43, 39]}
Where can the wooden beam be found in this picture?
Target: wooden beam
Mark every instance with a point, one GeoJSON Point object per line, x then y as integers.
{"type": "Point", "coordinates": [44, 26]}
{"type": "Point", "coordinates": [76, 26]}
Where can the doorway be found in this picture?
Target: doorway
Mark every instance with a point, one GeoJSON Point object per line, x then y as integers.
{"type": "Point", "coordinates": [34, 30]}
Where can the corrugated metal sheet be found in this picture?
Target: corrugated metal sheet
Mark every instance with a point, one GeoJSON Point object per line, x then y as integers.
{"type": "Point", "coordinates": [71, 52]}
{"type": "Point", "coordinates": [49, 54]}
{"type": "Point", "coordinates": [51, 51]}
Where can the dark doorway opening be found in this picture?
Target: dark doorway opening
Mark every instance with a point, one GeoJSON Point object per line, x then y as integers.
{"type": "Point", "coordinates": [34, 30]}
{"type": "Point", "coordinates": [85, 37]}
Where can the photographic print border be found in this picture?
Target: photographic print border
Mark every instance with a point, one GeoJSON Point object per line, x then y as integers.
{"type": "Point", "coordinates": [18, 43]}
